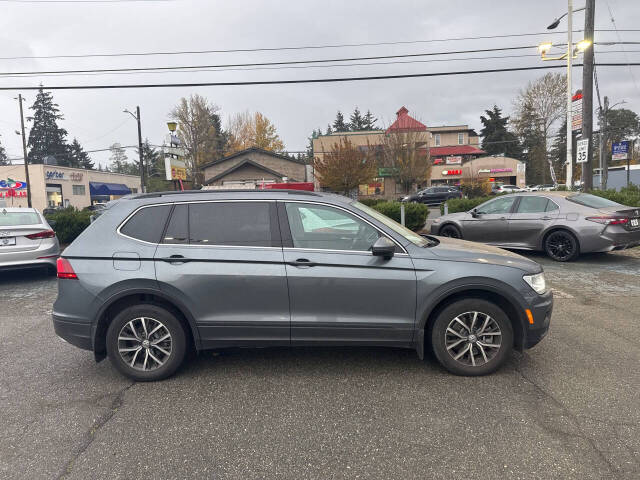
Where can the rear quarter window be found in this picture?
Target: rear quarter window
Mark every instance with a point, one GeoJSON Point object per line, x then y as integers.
{"type": "Point", "coordinates": [147, 223]}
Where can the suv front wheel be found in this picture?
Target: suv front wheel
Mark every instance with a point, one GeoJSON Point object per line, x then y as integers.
{"type": "Point", "coordinates": [146, 343]}
{"type": "Point", "coordinates": [472, 337]}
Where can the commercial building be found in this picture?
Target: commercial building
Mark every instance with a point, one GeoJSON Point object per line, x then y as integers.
{"type": "Point", "coordinates": [253, 167]}
{"type": "Point", "coordinates": [53, 186]}
{"type": "Point", "coordinates": [454, 152]}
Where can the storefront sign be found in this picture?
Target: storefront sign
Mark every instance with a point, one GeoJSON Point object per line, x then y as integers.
{"type": "Point", "coordinates": [501, 170]}
{"type": "Point", "coordinates": [452, 172]}
{"type": "Point", "coordinates": [438, 161]}
{"type": "Point", "coordinates": [620, 150]}
{"type": "Point", "coordinates": [454, 160]}
{"type": "Point", "coordinates": [58, 175]}
{"type": "Point", "coordinates": [385, 171]}
{"type": "Point", "coordinates": [484, 170]}
{"type": "Point", "coordinates": [12, 184]}
{"type": "Point", "coordinates": [576, 112]}
{"type": "Point", "coordinates": [175, 169]}
{"type": "Point", "coordinates": [13, 193]}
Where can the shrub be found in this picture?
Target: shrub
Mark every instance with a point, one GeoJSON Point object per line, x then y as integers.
{"type": "Point", "coordinates": [69, 223]}
{"type": "Point", "coordinates": [415, 214]}
{"type": "Point", "coordinates": [474, 189]}
{"type": "Point", "coordinates": [370, 202]}
{"type": "Point", "coordinates": [626, 196]}
{"type": "Point", "coordinates": [464, 204]}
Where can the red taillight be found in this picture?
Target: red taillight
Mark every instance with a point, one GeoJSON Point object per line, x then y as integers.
{"type": "Point", "coordinates": [609, 220]}
{"type": "Point", "coordinates": [65, 270]}
{"type": "Point", "coordinates": [42, 234]}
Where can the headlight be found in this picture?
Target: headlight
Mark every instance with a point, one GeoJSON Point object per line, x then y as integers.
{"type": "Point", "coordinates": [436, 220]}
{"type": "Point", "coordinates": [536, 282]}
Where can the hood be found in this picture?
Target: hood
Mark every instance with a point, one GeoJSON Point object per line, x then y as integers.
{"type": "Point", "coordinates": [465, 251]}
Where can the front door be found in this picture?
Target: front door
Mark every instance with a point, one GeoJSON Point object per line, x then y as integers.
{"type": "Point", "coordinates": [490, 225]}
{"type": "Point", "coordinates": [531, 217]}
{"type": "Point", "coordinates": [224, 261]}
{"type": "Point", "coordinates": [339, 292]}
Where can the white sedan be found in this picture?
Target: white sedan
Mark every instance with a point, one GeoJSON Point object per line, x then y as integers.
{"type": "Point", "coordinates": [26, 240]}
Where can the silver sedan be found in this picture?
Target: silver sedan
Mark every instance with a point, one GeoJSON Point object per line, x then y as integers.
{"type": "Point", "coordinates": [26, 240]}
{"type": "Point", "coordinates": [562, 224]}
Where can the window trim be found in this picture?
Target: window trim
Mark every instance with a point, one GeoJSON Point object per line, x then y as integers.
{"type": "Point", "coordinates": [173, 204]}
{"type": "Point", "coordinates": [330, 205]}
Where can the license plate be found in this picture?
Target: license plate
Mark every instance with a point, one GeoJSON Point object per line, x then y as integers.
{"type": "Point", "coordinates": [6, 241]}
{"type": "Point", "coordinates": [635, 222]}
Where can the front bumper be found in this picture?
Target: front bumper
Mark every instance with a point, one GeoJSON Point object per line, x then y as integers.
{"type": "Point", "coordinates": [541, 307]}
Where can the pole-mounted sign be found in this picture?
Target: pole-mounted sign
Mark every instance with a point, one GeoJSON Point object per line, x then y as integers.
{"type": "Point", "coordinates": [582, 152]}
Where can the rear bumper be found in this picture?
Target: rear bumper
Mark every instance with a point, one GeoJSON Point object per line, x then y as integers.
{"type": "Point", "coordinates": [76, 333]}
{"type": "Point", "coordinates": [618, 239]}
{"type": "Point", "coordinates": [45, 255]}
{"type": "Point", "coordinates": [541, 310]}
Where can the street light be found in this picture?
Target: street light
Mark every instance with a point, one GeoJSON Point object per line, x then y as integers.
{"type": "Point", "coordinates": [569, 55]}
{"type": "Point", "coordinates": [136, 116]}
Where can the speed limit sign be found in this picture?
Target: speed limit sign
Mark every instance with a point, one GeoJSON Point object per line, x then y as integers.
{"type": "Point", "coordinates": [582, 153]}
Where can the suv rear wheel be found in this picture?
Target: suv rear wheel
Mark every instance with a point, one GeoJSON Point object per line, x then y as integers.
{"type": "Point", "coordinates": [146, 343]}
{"type": "Point", "coordinates": [472, 337]}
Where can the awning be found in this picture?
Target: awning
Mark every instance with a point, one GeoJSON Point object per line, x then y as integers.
{"type": "Point", "coordinates": [105, 189]}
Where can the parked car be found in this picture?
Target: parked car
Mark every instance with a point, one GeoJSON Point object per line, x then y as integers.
{"type": "Point", "coordinates": [506, 189]}
{"type": "Point", "coordinates": [434, 195]}
{"type": "Point", "coordinates": [562, 224]}
{"type": "Point", "coordinates": [26, 240]}
{"type": "Point", "coordinates": [157, 274]}
{"type": "Point", "coordinates": [95, 207]}
{"type": "Point", "coordinates": [541, 188]}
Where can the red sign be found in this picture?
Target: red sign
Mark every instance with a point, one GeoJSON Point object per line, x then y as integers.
{"type": "Point", "coordinates": [452, 172]}
{"type": "Point", "coordinates": [437, 161]}
{"type": "Point", "coordinates": [12, 192]}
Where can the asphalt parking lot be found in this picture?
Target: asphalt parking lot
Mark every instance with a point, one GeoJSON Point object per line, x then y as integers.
{"type": "Point", "coordinates": [569, 408]}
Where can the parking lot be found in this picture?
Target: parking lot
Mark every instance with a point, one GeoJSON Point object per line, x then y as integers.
{"type": "Point", "coordinates": [566, 409]}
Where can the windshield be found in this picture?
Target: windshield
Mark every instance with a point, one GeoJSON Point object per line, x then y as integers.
{"type": "Point", "coordinates": [8, 219]}
{"type": "Point", "coordinates": [412, 236]}
{"type": "Point", "coordinates": [592, 201]}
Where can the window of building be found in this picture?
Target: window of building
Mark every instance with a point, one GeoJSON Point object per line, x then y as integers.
{"type": "Point", "coordinates": [134, 190]}
{"type": "Point", "coordinates": [321, 227]}
{"type": "Point", "coordinates": [437, 139]}
{"type": "Point", "coordinates": [147, 223]}
{"type": "Point", "coordinates": [54, 195]}
{"type": "Point", "coordinates": [232, 223]}
{"type": "Point", "coordinates": [78, 189]}
{"type": "Point", "coordinates": [460, 138]}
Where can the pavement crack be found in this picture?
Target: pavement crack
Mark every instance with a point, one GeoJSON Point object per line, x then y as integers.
{"type": "Point", "coordinates": [91, 433]}
{"type": "Point", "coordinates": [574, 419]}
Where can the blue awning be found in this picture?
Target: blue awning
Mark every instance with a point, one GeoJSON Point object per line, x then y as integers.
{"type": "Point", "coordinates": [105, 189]}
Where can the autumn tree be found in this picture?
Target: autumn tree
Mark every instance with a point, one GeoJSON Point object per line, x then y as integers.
{"type": "Point", "coordinates": [406, 155]}
{"type": "Point", "coordinates": [539, 107]}
{"type": "Point", "coordinates": [345, 167]}
{"type": "Point", "coordinates": [200, 132]}
{"type": "Point", "coordinates": [248, 130]}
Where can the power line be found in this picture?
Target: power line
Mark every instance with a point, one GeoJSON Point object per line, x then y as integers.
{"type": "Point", "coordinates": [290, 82]}
{"type": "Point", "coordinates": [613, 21]}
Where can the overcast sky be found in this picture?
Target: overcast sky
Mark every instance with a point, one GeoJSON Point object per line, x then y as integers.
{"type": "Point", "coordinates": [95, 116]}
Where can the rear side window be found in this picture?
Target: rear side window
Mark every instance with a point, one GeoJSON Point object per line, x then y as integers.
{"type": "Point", "coordinates": [532, 205]}
{"type": "Point", "coordinates": [147, 223]}
{"type": "Point", "coordinates": [232, 223]}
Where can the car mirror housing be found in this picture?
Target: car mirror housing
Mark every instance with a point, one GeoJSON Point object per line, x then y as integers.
{"type": "Point", "coordinates": [474, 213]}
{"type": "Point", "coordinates": [383, 247]}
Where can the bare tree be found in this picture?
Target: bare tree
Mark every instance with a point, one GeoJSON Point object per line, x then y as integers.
{"type": "Point", "coordinates": [200, 132]}
{"type": "Point", "coordinates": [538, 108]}
{"type": "Point", "coordinates": [345, 167]}
{"type": "Point", "coordinates": [406, 154]}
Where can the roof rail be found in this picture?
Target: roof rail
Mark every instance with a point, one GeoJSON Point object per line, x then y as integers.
{"type": "Point", "coordinates": [189, 192]}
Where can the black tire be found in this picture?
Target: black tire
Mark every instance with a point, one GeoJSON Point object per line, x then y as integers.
{"type": "Point", "coordinates": [561, 246]}
{"type": "Point", "coordinates": [450, 230]}
{"type": "Point", "coordinates": [177, 343]}
{"type": "Point", "coordinates": [463, 310]}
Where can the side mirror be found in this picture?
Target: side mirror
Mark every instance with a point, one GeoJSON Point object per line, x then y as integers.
{"type": "Point", "coordinates": [474, 213]}
{"type": "Point", "coordinates": [383, 248]}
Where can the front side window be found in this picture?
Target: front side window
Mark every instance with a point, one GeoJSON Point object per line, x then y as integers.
{"type": "Point", "coordinates": [328, 228]}
{"type": "Point", "coordinates": [499, 205]}
{"type": "Point", "coordinates": [231, 223]}
{"type": "Point", "coordinates": [177, 231]}
{"type": "Point", "coordinates": [147, 223]}
{"type": "Point", "coordinates": [532, 205]}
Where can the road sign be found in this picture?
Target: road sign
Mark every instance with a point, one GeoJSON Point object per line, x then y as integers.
{"type": "Point", "coordinates": [582, 154]}
{"type": "Point", "coordinates": [620, 150]}
{"type": "Point", "coordinates": [576, 112]}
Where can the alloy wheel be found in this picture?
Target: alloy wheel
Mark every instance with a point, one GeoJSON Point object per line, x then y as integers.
{"type": "Point", "coordinates": [473, 338]}
{"type": "Point", "coordinates": [144, 343]}
{"type": "Point", "coordinates": [449, 231]}
{"type": "Point", "coordinates": [560, 246]}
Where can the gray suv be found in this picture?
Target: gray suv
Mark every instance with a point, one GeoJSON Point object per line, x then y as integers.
{"type": "Point", "coordinates": [159, 274]}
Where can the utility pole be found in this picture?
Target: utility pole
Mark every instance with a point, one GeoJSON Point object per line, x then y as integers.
{"type": "Point", "coordinates": [569, 94]}
{"type": "Point", "coordinates": [24, 153]}
{"type": "Point", "coordinates": [587, 94]}
{"type": "Point", "coordinates": [140, 154]}
{"type": "Point", "coordinates": [604, 168]}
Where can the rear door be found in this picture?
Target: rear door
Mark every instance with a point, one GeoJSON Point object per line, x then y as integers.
{"type": "Point", "coordinates": [491, 222]}
{"type": "Point", "coordinates": [224, 260]}
{"type": "Point", "coordinates": [532, 216]}
{"type": "Point", "coordinates": [339, 292]}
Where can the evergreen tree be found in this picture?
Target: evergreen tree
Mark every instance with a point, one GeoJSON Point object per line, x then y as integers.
{"type": "Point", "coordinates": [369, 121]}
{"type": "Point", "coordinates": [120, 162]}
{"type": "Point", "coordinates": [329, 130]}
{"type": "Point", "coordinates": [496, 139]}
{"type": "Point", "coordinates": [78, 158]}
{"type": "Point", "coordinates": [356, 121]}
{"type": "Point", "coordinates": [46, 137]}
{"type": "Point", "coordinates": [151, 159]}
{"type": "Point", "coordinates": [338, 123]}
{"type": "Point", "coordinates": [315, 134]}
{"type": "Point", "coordinates": [3, 156]}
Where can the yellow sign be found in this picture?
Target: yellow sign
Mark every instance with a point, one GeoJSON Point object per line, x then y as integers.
{"type": "Point", "coordinates": [178, 173]}
{"type": "Point", "coordinates": [175, 169]}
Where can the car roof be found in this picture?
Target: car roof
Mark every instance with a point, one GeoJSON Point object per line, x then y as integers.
{"type": "Point", "coordinates": [19, 209]}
